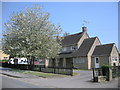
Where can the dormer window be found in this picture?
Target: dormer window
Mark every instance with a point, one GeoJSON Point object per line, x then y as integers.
{"type": "Point", "coordinates": [73, 47]}
{"type": "Point", "coordinates": [64, 49]}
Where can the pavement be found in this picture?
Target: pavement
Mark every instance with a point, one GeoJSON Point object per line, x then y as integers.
{"type": "Point", "coordinates": [83, 80]}
{"type": "Point", "coordinates": [9, 82]}
{"type": "Point", "coordinates": [8, 72]}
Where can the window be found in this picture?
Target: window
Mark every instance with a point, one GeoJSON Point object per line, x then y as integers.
{"type": "Point", "coordinates": [79, 60]}
{"type": "Point", "coordinates": [114, 58]}
{"type": "Point", "coordinates": [82, 60]}
{"type": "Point", "coordinates": [73, 48]}
{"type": "Point", "coordinates": [64, 49]}
{"type": "Point", "coordinates": [5, 58]}
{"type": "Point", "coordinates": [97, 60]}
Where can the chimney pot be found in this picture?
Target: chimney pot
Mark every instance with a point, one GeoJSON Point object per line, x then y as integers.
{"type": "Point", "coordinates": [84, 29]}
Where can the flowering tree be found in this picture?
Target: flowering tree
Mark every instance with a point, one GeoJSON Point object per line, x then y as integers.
{"type": "Point", "coordinates": [30, 33]}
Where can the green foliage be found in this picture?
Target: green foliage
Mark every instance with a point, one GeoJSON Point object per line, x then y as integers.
{"type": "Point", "coordinates": [105, 70]}
{"type": "Point", "coordinates": [3, 61]}
{"type": "Point", "coordinates": [45, 75]}
{"type": "Point", "coordinates": [42, 74]}
{"type": "Point", "coordinates": [106, 66]}
{"type": "Point", "coordinates": [30, 33]}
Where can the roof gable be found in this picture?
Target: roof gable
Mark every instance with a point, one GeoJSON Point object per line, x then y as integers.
{"type": "Point", "coordinates": [85, 47]}
{"type": "Point", "coordinates": [114, 50]}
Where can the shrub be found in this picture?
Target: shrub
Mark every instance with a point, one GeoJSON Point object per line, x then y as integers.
{"type": "Point", "coordinates": [105, 70]}
{"type": "Point", "coordinates": [106, 66]}
{"type": "Point", "coordinates": [4, 61]}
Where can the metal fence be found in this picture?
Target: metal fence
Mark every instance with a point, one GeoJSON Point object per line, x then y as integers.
{"type": "Point", "coordinates": [57, 70]}
{"type": "Point", "coordinates": [41, 68]}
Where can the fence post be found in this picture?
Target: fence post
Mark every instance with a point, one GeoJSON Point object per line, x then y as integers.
{"type": "Point", "coordinates": [93, 74]}
{"type": "Point", "coordinates": [54, 65]}
{"type": "Point", "coordinates": [39, 68]}
{"type": "Point", "coordinates": [54, 69]}
{"type": "Point", "coordinates": [71, 71]}
{"type": "Point", "coordinates": [110, 74]}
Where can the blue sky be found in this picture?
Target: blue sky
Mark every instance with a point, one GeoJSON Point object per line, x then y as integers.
{"type": "Point", "coordinates": [102, 17]}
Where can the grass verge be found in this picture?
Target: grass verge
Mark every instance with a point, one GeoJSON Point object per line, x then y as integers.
{"type": "Point", "coordinates": [45, 75]}
{"type": "Point", "coordinates": [42, 74]}
{"type": "Point", "coordinates": [4, 61]}
{"type": "Point", "coordinates": [83, 69]}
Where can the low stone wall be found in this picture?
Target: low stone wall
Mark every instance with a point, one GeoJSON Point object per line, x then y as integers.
{"type": "Point", "coordinates": [100, 79]}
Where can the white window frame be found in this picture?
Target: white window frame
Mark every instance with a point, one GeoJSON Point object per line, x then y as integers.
{"type": "Point", "coordinates": [64, 49]}
{"type": "Point", "coordinates": [97, 65]}
{"type": "Point", "coordinates": [114, 58]}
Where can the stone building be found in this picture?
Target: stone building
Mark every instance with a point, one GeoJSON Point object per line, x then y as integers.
{"type": "Point", "coordinates": [105, 54]}
{"type": "Point", "coordinates": [3, 56]}
{"type": "Point", "coordinates": [79, 51]}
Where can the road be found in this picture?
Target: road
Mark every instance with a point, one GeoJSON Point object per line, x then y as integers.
{"type": "Point", "coordinates": [9, 82]}
{"type": "Point", "coordinates": [12, 82]}
{"type": "Point", "coordinates": [83, 80]}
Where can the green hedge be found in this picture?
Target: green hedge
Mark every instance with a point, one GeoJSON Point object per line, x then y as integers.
{"type": "Point", "coordinates": [105, 71]}
{"type": "Point", "coordinates": [3, 61]}
{"type": "Point", "coordinates": [106, 66]}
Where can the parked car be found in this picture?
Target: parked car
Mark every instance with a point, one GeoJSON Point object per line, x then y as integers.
{"type": "Point", "coordinates": [11, 61]}
{"type": "Point", "coordinates": [18, 61]}
{"type": "Point", "coordinates": [22, 61]}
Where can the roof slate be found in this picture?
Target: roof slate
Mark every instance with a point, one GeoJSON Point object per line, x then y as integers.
{"type": "Point", "coordinates": [85, 47]}
{"type": "Point", "coordinates": [71, 39]}
{"type": "Point", "coordinates": [64, 55]}
{"type": "Point", "coordinates": [103, 50]}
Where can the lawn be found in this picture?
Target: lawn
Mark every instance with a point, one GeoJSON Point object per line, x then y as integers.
{"type": "Point", "coordinates": [42, 74]}
{"type": "Point", "coordinates": [45, 75]}
{"type": "Point", "coordinates": [83, 69]}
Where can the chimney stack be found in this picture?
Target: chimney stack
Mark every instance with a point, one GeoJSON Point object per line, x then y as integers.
{"type": "Point", "coordinates": [84, 29]}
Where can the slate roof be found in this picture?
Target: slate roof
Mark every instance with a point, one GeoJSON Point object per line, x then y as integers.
{"type": "Point", "coordinates": [71, 39]}
{"type": "Point", "coordinates": [85, 47]}
{"type": "Point", "coordinates": [103, 50]}
{"type": "Point", "coordinates": [67, 54]}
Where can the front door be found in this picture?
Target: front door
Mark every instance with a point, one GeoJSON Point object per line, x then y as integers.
{"type": "Point", "coordinates": [97, 62]}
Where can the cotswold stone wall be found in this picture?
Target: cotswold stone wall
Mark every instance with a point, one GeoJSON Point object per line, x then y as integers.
{"type": "Point", "coordinates": [80, 62]}
{"type": "Point", "coordinates": [102, 60]}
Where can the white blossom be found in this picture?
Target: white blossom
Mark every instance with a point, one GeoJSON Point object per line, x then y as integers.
{"type": "Point", "coordinates": [31, 33]}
